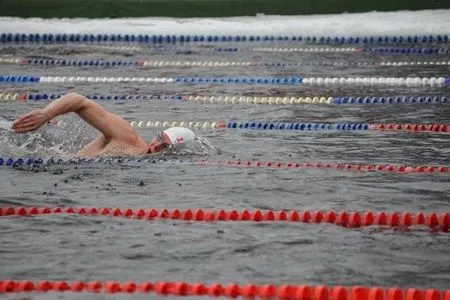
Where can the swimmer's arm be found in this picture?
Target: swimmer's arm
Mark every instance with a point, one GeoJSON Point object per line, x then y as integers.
{"type": "Point", "coordinates": [93, 148]}
{"type": "Point", "coordinates": [109, 124]}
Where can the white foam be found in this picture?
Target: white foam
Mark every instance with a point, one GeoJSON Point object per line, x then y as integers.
{"type": "Point", "coordinates": [423, 22]}
{"type": "Point", "coordinates": [5, 124]}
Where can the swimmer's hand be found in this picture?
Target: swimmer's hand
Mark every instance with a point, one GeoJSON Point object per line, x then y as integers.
{"type": "Point", "coordinates": [31, 121]}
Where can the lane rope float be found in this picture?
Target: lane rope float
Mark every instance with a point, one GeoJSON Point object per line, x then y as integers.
{"type": "Point", "coordinates": [230, 50]}
{"type": "Point", "coordinates": [293, 80]}
{"type": "Point", "coordinates": [382, 50]}
{"type": "Point", "coordinates": [99, 63]}
{"type": "Point", "coordinates": [234, 99]}
{"type": "Point", "coordinates": [231, 290]}
{"type": "Point", "coordinates": [51, 38]}
{"type": "Point", "coordinates": [85, 47]}
{"type": "Point", "coordinates": [122, 48]}
{"type": "Point", "coordinates": [400, 169]}
{"type": "Point", "coordinates": [289, 126]}
{"type": "Point", "coordinates": [432, 220]}
{"type": "Point", "coordinates": [276, 165]}
{"type": "Point", "coordinates": [293, 126]}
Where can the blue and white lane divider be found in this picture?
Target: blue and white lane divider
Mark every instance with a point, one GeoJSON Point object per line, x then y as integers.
{"type": "Point", "coordinates": [289, 126]}
{"type": "Point", "coordinates": [380, 50]}
{"type": "Point", "coordinates": [161, 39]}
{"type": "Point", "coordinates": [99, 63]}
{"type": "Point", "coordinates": [292, 80]}
{"type": "Point", "coordinates": [297, 126]}
{"type": "Point", "coordinates": [232, 99]}
{"type": "Point", "coordinates": [183, 49]}
{"type": "Point", "coordinates": [42, 161]}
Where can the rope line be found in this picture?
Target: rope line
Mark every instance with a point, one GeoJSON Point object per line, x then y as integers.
{"type": "Point", "coordinates": [232, 99]}
{"type": "Point", "coordinates": [232, 290]}
{"type": "Point", "coordinates": [343, 218]}
{"type": "Point", "coordinates": [303, 126]}
{"type": "Point", "coordinates": [85, 47]}
{"type": "Point", "coordinates": [98, 63]}
{"type": "Point", "coordinates": [161, 39]}
{"type": "Point", "coordinates": [277, 165]}
{"type": "Point", "coordinates": [57, 79]}
{"type": "Point", "coordinates": [401, 169]}
{"type": "Point", "coordinates": [295, 80]}
{"type": "Point", "coordinates": [348, 50]}
{"type": "Point", "coordinates": [316, 100]}
{"type": "Point", "coordinates": [100, 47]}
{"type": "Point", "coordinates": [177, 49]}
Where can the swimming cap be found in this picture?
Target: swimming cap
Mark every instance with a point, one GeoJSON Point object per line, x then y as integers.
{"type": "Point", "coordinates": [180, 137]}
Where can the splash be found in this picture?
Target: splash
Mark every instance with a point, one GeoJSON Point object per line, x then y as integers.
{"type": "Point", "coordinates": [69, 136]}
{"type": "Point", "coordinates": [4, 124]}
{"type": "Point", "coordinates": [200, 147]}
{"type": "Point", "coordinates": [62, 140]}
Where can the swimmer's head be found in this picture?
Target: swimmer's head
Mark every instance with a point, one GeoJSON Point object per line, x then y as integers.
{"type": "Point", "coordinates": [176, 138]}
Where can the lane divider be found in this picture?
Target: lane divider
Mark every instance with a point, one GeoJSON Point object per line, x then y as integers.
{"type": "Point", "coordinates": [58, 79]}
{"type": "Point", "coordinates": [317, 100]}
{"type": "Point", "coordinates": [233, 99]}
{"type": "Point", "coordinates": [52, 96]}
{"type": "Point", "coordinates": [98, 63]}
{"type": "Point", "coordinates": [81, 47]}
{"type": "Point", "coordinates": [382, 50]}
{"type": "Point", "coordinates": [275, 165]}
{"type": "Point", "coordinates": [123, 48]}
{"type": "Point", "coordinates": [389, 168]}
{"type": "Point", "coordinates": [346, 219]}
{"type": "Point", "coordinates": [161, 39]}
{"type": "Point", "coordinates": [412, 63]}
{"type": "Point", "coordinates": [231, 290]}
{"type": "Point", "coordinates": [196, 49]}
{"type": "Point", "coordinates": [293, 126]}
{"type": "Point", "coordinates": [293, 80]}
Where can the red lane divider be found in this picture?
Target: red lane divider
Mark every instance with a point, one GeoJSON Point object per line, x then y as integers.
{"type": "Point", "coordinates": [349, 167]}
{"type": "Point", "coordinates": [411, 127]}
{"type": "Point", "coordinates": [267, 291]}
{"type": "Point", "coordinates": [345, 219]}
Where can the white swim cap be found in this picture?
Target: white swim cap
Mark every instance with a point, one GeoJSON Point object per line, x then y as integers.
{"type": "Point", "coordinates": [180, 137]}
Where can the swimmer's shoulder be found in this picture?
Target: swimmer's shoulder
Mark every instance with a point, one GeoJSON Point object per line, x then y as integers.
{"type": "Point", "coordinates": [117, 148]}
{"type": "Point", "coordinates": [103, 147]}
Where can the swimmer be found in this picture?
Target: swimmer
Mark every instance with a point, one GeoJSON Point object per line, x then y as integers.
{"type": "Point", "coordinates": [117, 139]}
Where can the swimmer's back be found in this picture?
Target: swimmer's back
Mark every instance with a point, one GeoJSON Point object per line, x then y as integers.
{"type": "Point", "coordinates": [103, 147]}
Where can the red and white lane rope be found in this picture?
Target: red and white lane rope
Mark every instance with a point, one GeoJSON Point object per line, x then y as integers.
{"type": "Point", "coordinates": [432, 220]}
{"type": "Point", "coordinates": [388, 168]}
{"type": "Point", "coordinates": [232, 290]}
{"type": "Point", "coordinates": [276, 165]}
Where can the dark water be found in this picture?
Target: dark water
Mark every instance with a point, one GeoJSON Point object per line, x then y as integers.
{"type": "Point", "coordinates": [96, 248]}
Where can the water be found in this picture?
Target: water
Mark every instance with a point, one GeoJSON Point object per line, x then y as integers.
{"type": "Point", "coordinates": [96, 248]}
{"type": "Point", "coordinates": [373, 23]}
